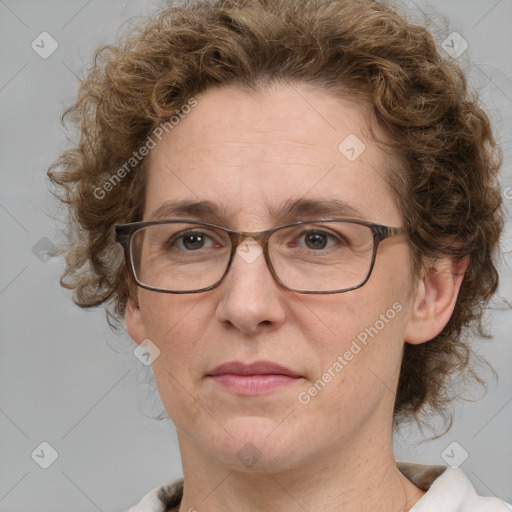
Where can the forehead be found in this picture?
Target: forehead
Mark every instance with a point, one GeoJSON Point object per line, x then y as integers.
{"type": "Point", "coordinates": [254, 155]}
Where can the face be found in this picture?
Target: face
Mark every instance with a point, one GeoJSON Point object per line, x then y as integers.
{"type": "Point", "coordinates": [250, 154]}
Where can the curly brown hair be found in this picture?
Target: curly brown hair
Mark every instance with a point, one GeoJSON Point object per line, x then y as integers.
{"type": "Point", "coordinates": [445, 159]}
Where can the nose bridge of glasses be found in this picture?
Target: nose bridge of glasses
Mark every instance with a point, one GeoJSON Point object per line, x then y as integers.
{"type": "Point", "coordinates": [248, 246]}
{"type": "Point", "coordinates": [240, 238]}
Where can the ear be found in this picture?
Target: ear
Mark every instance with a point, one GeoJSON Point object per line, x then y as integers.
{"type": "Point", "coordinates": [436, 296]}
{"type": "Point", "coordinates": [134, 324]}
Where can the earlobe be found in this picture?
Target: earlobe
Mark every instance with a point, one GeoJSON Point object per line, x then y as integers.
{"type": "Point", "coordinates": [435, 299]}
{"type": "Point", "coordinates": [134, 323]}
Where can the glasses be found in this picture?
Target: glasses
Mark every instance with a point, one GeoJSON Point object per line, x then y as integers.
{"type": "Point", "coordinates": [314, 256]}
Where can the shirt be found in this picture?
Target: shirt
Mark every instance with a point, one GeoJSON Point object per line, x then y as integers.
{"type": "Point", "coordinates": [447, 490]}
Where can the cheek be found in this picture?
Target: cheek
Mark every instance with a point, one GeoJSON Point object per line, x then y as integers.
{"type": "Point", "coordinates": [168, 317]}
{"type": "Point", "coordinates": [360, 367]}
{"type": "Point", "coordinates": [176, 324]}
{"type": "Point", "coordinates": [367, 328]}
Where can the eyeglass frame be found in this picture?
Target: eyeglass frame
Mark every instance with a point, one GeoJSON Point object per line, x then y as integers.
{"type": "Point", "coordinates": [125, 232]}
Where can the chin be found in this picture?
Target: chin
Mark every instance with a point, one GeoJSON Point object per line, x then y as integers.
{"type": "Point", "coordinates": [257, 445]}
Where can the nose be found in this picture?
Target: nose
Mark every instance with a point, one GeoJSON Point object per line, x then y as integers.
{"type": "Point", "coordinates": [251, 299]}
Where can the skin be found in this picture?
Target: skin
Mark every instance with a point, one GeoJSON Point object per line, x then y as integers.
{"type": "Point", "coordinates": [249, 151]}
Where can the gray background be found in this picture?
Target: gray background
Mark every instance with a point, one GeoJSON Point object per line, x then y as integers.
{"type": "Point", "coordinates": [66, 379]}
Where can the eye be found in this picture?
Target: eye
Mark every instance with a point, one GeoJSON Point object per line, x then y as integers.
{"type": "Point", "coordinates": [192, 241]}
{"type": "Point", "coordinates": [318, 239]}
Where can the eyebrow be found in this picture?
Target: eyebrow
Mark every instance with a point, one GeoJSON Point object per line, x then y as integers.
{"type": "Point", "coordinates": [290, 210]}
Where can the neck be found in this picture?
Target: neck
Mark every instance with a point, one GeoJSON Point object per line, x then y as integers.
{"type": "Point", "coordinates": [363, 477]}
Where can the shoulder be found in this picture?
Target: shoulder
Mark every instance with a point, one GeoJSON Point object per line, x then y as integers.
{"type": "Point", "coordinates": [162, 498]}
{"type": "Point", "coordinates": [448, 489]}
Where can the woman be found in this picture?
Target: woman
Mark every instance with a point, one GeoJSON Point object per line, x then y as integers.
{"type": "Point", "coordinates": [308, 207]}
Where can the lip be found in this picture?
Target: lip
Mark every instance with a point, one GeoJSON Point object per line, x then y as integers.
{"type": "Point", "coordinates": [253, 379]}
{"type": "Point", "coordinates": [257, 368]}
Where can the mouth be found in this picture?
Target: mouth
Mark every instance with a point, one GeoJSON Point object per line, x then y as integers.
{"type": "Point", "coordinates": [253, 379]}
